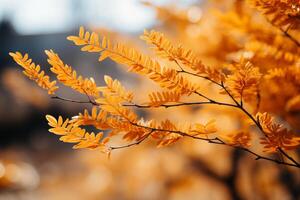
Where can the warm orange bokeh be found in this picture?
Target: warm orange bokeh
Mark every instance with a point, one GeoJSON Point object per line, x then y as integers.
{"type": "Point", "coordinates": [222, 106]}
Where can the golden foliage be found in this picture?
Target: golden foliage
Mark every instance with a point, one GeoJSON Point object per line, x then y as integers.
{"type": "Point", "coordinates": [208, 128]}
{"type": "Point", "coordinates": [159, 98]}
{"type": "Point", "coordinates": [89, 41]}
{"type": "Point", "coordinates": [268, 76]}
{"type": "Point", "coordinates": [289, 74]}
{"type": "Point", "coordinates": [112, 105]}
{"type": "Point", "coordinates": [96, 119]}
{"type": "Point", "coordinates": [68, 76]}
{"type": "Point", "coordinates": [115, 88]}
{"type": "Point", "coordinates": [166, 137]}
{"type": "Point", "coordinates": [34, 72]}
{"type": "Point", "coordinates": [265, 44]}
{"type": "Point", "coordinates": [276, 135]}
{"type": "Point", "coordinates": [243, 84]}
{"type": "Point", "coordinates": [161, 45]}
{"type": "Point", "coordinates": [279, 50]}
{"type": "Point", "coordinates": [71, 133]}
{"type": "Point", "coordinates": [280, 12]}
{"type": "Point", "coordinates": [131, 131]}
{"type": "Point", "coordinates": [137, 62]}
{"type": "Point", "coordinates": [287, 82]}
{"type": "Point", "coordinates": [165, 49]}
{"type": "Point", "coordinates": [242, 139]}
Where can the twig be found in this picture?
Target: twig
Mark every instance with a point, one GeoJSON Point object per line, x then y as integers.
{"type": "Point", "coordinates": [69, 100]}
{"type": "Point", "coordinates": [200, 76]}
{"type": "Point", "coordinates": [148, 106]}
{"type": "Point", "coordinates": [285, 32]}
{"type": "Point", "coordinates": [210, 101]}
{"type": "Point", "coordinates": [132, 144]}
{"type": "Point", "coordinates": [289, 157]}
{"type": "Point", "coordinates": [212, 141]}
{"type": "Point", "coordinates": [256, 122]}
{"type": "Point", "coordinates": [219, 141]}
{"type": "Point", "coordinates": [290, 37]}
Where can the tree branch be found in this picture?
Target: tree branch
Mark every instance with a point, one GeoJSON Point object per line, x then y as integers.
{"type": "Point", "coordinates": [219, 141]}
{"type": "Point", "coordinates": [285, 33]}
{"type": "Point", "coordinates": [215, 140]}
{"type": "Point", "coordinates": [69, 100]}
{"type": "Point", "coordinates": [210, 101]}
{"type": "Point", "coordinates": [256, 122]}
{"type": "Point", "coordinates": [132, 144]}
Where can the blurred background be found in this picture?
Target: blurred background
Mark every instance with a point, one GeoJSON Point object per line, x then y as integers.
{"type": "Point", "coordinates": [35, 165]}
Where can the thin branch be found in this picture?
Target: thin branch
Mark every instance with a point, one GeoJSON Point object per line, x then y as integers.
{"type": "Point", "coordinates": [182, 104]}
{"type": "Point", "coordinates": [203, 96]}
{"type": "Point", "coordinates": [219, 141]}
{"type": "Point", "coordinates": [229, 94]}
{"type": "Point", "coordinates": [210, 101]}
{"type": "Point", "coordinates": [212, 81]}
{"type": "Point", "coordinates": [90, 99]}
{"type": "Point", "coordinates": [177, 63]}
{"type": "Point", "coordinates": [148, 106]}
{"type": "Point", "coordinates": [258, 157]}
{"type": "Point", "coordinates": [258, 99]}
{"type": "Point", "coordinates": [256, 122]}
{"type": "Point", "coordinates": [285, 32]}
{"type": "Point", "coordinates": [289, 157]}
{"type": "Point", "coordinates": [69, 100]}
{"type": "Point", "coordinates": [168, 105]}
{"type": "Point", "coordinates": [212, 141]}
{"type": "Point", "coordinates": [240, 106]}
{"type": "Point", "coordinates": [200, 76]}
{"type": "Point", "coordinates": [132, 144]}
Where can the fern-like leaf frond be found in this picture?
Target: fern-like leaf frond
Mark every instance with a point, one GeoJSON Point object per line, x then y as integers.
{"type": "Point", "coordinates": [159, 98]}
{"type": "Point", "coordinates": [131, 131]}
{"type": "Point", "coordinates": [97, 118]}
{"type": "Point", "coordinates": [112, 105]}
{"type": "Point", "coordinates": [71, 133]}
{"type": "Point", "coordinates": [165, 49]}
{"type": "Point", "coordinates": [136, 61]}
{"type": "Point", "coordinates": [89, 41]}
{"type": "Point", "coordinates": [166, 137]}
{"type": "Point", "coordinates": [280, 12]}
{"type": "Point", "coordinates": [204, 129]}
{"type": "Point", "coordinates": [68, 76]}
{"type": "Point", "coordinates": [241, 139]}
{"type": "Point", "coordinates": [277, 135]}
{"type": "Point", "coordinates": [243, 84]}
{"type": "Point", "coordinates": [34, 72]}
{"type": "Point", "coordinates": [279, 50]}
{"type": "Point", "coordinates": [114, 87]}
{"type": "Point", "coordinates": [162, 46]}
{"type": "Point", "coordinates": [288, 74]}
